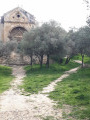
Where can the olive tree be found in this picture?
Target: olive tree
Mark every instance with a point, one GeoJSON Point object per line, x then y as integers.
{"type": "Point", "coordinates": [70, 45]}
{"type": "Point", "coordinates": [47, 39]}
{"type": "Point", "coordinates": [53, 36]}
{"type": "Point", "coordinates": [83, 42]}
{"type": "Point", "coordinates": [6, 48]}
{"type": "Point", "coordinates": [26, 46]}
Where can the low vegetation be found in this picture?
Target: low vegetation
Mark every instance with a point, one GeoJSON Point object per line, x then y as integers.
{"type": "Point", "coordinates": [5, 78]}
{"type": "Point", "coordinates": [38, 78]}
{"type": "Point", "coordinates": [86, 58]}
{"type": "Point", "coordinates": [50, 118]}
{"type": "Point", "coordinates": [75, 91]}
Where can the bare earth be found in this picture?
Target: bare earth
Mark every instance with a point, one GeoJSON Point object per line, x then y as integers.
{"type": "Point", "coordinates": [15, 106]}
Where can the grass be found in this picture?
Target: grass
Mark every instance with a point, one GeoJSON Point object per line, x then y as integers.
{"type": "Point", "coordinates": [36, 79]}
{"type": "Point", "coordinates": [75, 91]}
{"type": "Point", "coordinates": [50, 118]}
{"type": "Point", "coordinates": [78, 57]}
{"type": "Point", "coordinates": [5, 78]}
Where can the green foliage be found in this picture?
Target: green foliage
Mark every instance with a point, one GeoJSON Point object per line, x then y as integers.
{"type": "Point", "coordinates": [75, 91]}
{"type": "Point", "coordinates": [5, 78]}
{"type": "Point", "coordinates": [70, 43]}
{"type": "Point", "coordinates": [47, 39]}
{"type": "Point", "coordinates": [78, 42]}
{"type": "Point", "coordinates": [83, 40]}
{"type": "Point", "coordinates": [57, 59]}
{"type": "Point", "coordinates": [50, 118]}
{"type": "Point", "coordinates": [7, 47]}
{"type": "Point", "coordinates": [38, 78]}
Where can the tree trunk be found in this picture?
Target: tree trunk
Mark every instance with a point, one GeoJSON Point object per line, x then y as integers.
{"type": "Point", "coordinates": [41, 61]}
{"type": "Point", "coordinates": [21, 55]}
{"type": "Point", "coordinates": [82, 60]}
{"type": "Point", "coordinates": [31, 61]}
{"type": "Point", "coordinates": [67, 60]}
{"type": "Point", "coordinates": [8, 60]}
{"type": "Point", "coordinates": [60, 61]}
{"type": "Point", "coordinates": [47, 64]}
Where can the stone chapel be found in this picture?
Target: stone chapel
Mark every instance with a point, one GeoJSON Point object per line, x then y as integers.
{"type": "Point", "coordinates": [12, 26]}
{"type": "Point", "coordinates": [14, 23]}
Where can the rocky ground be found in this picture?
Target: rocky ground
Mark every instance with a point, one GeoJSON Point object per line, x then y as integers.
{"type": "Point", "coordinates": [16, 106]}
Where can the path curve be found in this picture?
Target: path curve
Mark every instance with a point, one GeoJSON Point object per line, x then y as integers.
{"type": "Point", "coordinates": [15, 106]}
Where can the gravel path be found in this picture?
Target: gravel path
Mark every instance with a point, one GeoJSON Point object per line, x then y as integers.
{"type": "Point", "coordinates": [15, 106]}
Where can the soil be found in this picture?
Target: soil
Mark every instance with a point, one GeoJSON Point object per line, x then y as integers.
{"type": "Point", "coordinates": [16, 106]}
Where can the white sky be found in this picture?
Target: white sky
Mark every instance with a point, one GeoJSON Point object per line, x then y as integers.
{"type": "Point", "coordinates": [70, 13]}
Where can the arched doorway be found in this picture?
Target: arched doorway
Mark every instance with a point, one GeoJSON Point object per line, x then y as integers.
{"type": "Point", "coordinates": [17, 33]}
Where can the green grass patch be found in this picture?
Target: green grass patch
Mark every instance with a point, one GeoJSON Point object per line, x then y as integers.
{"type": "Point", "coordinates": [5, 78]}
{"type": "Point", "coordinates": [36, 79]}
{"type": "Point", "coordinates": [75, 91]}
{"type": "Point", "coordinates": [78, 57]}
{"type": "Point", "coordinates": [50, 118]}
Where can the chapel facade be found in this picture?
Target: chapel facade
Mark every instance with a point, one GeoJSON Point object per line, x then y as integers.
{"type": "Point", "coordinates": [14, 23]}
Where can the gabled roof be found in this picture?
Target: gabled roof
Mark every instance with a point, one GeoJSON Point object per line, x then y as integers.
{"type": "Point", "coordinates": [30, 17]}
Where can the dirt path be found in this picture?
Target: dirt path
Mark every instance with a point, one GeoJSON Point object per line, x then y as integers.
{"type": "Point", "coordinates": [15, 106]}
{"type": "Point", "coordinates": [80, 62]}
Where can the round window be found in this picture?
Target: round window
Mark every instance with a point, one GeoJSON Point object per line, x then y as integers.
{"type": "Point", "coordinates": [18, 15]}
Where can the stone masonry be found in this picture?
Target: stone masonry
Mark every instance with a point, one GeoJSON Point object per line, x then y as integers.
{"type": "Point", "coordinates": [12, 26]}
{"type": "Point", "coordinates": [14, 23]}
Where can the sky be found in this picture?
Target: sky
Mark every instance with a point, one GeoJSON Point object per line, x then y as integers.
{"type": "Point", "coordinates": [69, 13]}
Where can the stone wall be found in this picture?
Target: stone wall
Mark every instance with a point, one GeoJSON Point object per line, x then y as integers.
{"type": "Point", "coordinates": [1, 31]}
{"type": "Point", "coordinates": [9, 26]}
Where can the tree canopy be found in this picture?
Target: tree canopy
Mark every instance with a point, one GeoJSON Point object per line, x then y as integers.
{"type": "Point", "coordinates": [45, 40]}
{"type": "Point", "coordinates": [79, 42]}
